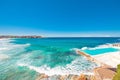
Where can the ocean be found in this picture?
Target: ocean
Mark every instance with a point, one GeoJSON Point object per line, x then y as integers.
{"type": "Point", "coordinates": [26, 59]}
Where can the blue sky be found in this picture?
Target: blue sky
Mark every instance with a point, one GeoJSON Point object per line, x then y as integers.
{"type": "Point", "coordinates": [75, 18]}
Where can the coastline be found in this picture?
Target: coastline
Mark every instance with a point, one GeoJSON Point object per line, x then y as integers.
{"type": "Point", "coordinates": [108, 61]}
{"type": "Point", "coordinates": [99, 73]}
{"type": "Point", "coordinates": [99, 58]}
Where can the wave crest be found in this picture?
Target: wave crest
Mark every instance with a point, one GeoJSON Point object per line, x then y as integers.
{"type": "Point", "coordinates": [6, 44]}
{"type": "Point", "coordinates": [76, 67]}
{"type": "Point", "coordinates": [94, 48]}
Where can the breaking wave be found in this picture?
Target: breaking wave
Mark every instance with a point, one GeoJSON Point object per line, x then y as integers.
{"type": "Point", "coordinates": [76, 67]}
{"type": "Point", "coordinates": [94, 48]}
{"type": "Point", "coordinates": [7, 45]}
{"type": "Point", "coordinates": [97, 47]}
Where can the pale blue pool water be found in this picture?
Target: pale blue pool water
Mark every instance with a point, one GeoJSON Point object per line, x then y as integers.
{"type": "Point", "coordinates": [100, 51]}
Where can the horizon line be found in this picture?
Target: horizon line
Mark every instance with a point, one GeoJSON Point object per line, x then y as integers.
{"type": "Point", "coordinates": [66, 36]}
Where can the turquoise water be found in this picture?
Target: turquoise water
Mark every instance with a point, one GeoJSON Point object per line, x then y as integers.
{"type": "Point", "coordinates": [100, 51]}
{"type": "Point", "coordinates": [25, 59]}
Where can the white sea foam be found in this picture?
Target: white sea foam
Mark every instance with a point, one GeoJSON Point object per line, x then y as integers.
{"type": "Point", "coordinates": [84, 48]}
{"type": "Point", "coordinates": [76, 67]}
{"type": "Point", "coordinates": [97, 47]}
{"type": "Point", "coordinates": [74, 49]}
{"type": "Point", "coordinates": [91, 48]}
{"type": "Point", "coordinates": [5, 44]}
{"type": "Point", "coordinates": [7, 47]}
{"type": "Point", "coordinates": [3, 56]}
{"type": "Point", "coordinates": [3, 48]}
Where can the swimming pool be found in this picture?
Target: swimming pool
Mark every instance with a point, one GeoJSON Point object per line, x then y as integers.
{"type": "Point", "coordinates": [100, 51]}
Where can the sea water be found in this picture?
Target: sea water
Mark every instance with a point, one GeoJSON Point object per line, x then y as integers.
{"type": "Point", "coordinates": [25, 59]}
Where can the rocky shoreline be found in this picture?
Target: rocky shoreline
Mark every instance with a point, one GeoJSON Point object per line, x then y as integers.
{"type": "Point", "coordinates": [66, 77]}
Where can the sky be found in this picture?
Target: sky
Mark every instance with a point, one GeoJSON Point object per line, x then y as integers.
{"type": "Point", "coordinates": [60, 18]}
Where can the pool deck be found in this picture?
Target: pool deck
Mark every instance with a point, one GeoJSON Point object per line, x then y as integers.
{"type": "Point", "coordinates": [112, 58]}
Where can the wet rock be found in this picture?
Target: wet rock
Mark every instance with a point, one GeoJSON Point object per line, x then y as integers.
{"type": "Point", "coordinates": [63, 77]}
{"type": "Point", "coordinates": [54, 77]}
{"type": "Point", "coordinates": [42, 77]}
{"type": "Point", "coordinates": [66, 77]}
{"type": "Point", "coordinates": [75, 77]}
{"type": "Point", "coordinates": [82, 77]}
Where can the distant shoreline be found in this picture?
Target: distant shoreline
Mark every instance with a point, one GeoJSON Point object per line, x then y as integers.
{"type": "Point", "coordinates": [9, 36]}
